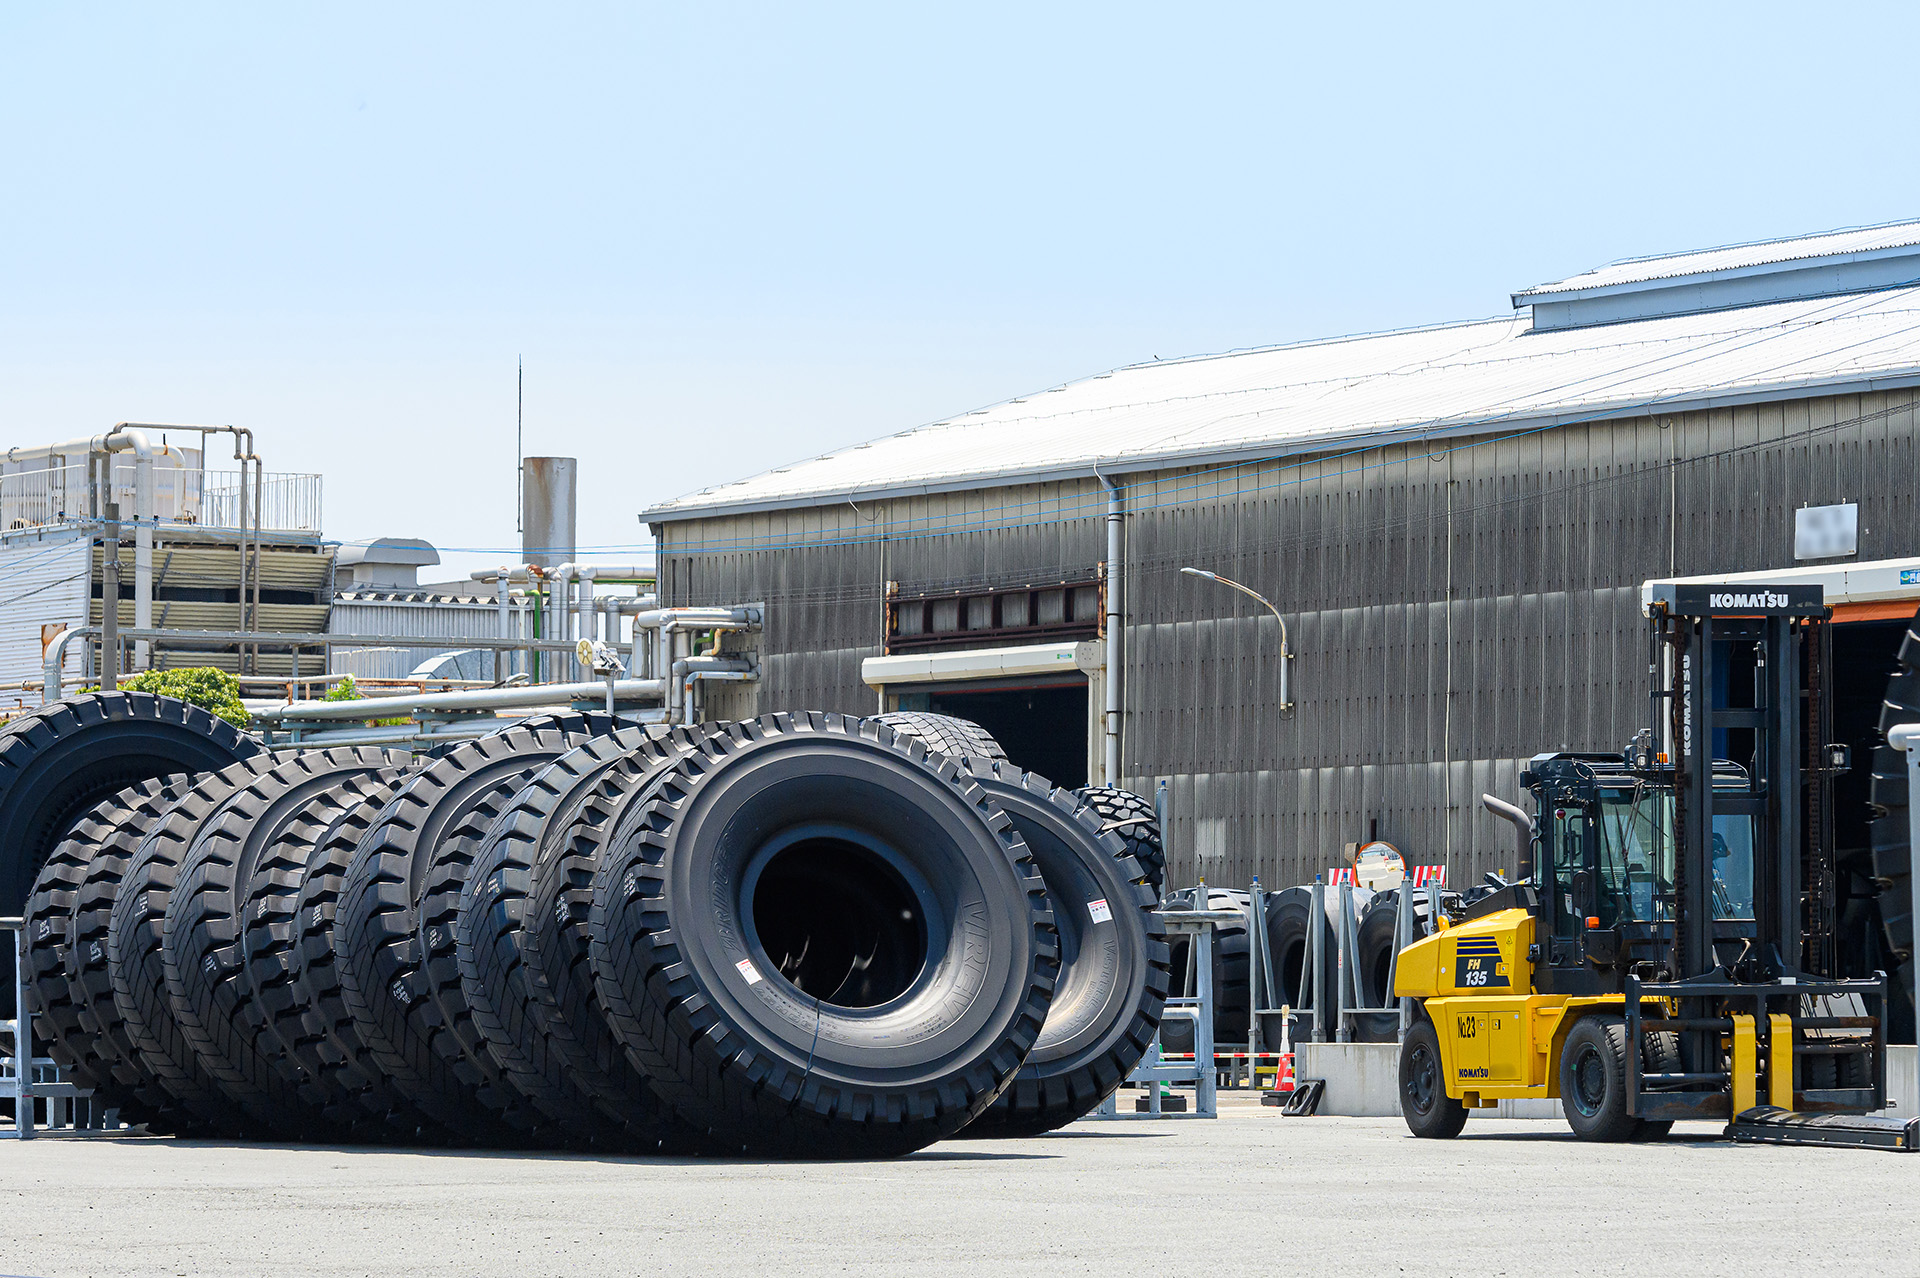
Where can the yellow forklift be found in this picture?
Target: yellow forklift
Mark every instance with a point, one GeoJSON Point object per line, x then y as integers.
{"type": "Point", "coordinates": [1668, 952]}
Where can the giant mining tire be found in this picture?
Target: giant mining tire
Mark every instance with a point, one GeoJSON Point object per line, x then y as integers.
{"type": "Point", "coordinates": [943, 733]}
{"type": "Point", "coordinates": [349, 1085]}
{"type": "Point", "coordinates": [53, 1000]}
{"type": "Point", "coordinates": [423, 839]}
{"type": "Point", "coordinates": [268, 824]}
{"type": "Point", "coordinates": [1133, 819]}
{"type": "Point", "coordinates": [1113, 958]}
{"type": "Point", "coordinates": [820, 940]}
{"type": "Point", "coordinates": [89, 975]}
{"type": "Point", "coordinates": [1231, 964]}
{"type": "Point", "coordinates": [61, 760]}
{"type": "Point", "coordinates": [1891, 835]}
{"type": "Point", "coordinates": [135, 955]}
{"type": "Point", "coordinates": [522, 941]}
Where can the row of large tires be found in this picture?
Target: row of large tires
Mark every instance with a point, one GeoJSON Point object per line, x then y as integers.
{"type": "Point", "coordinates": [800, 935]}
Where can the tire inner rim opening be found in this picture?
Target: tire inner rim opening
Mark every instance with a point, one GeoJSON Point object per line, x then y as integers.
{"type": "Point", "coordinates": [839, 922]}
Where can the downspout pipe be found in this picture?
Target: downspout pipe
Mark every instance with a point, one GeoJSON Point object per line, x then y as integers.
{"type": "Point", "coordinates": [127, 437]}
{"type": "Point", "coordinates": [1116, 576]}
{"type": "Point", "coordinates": [561, 601]}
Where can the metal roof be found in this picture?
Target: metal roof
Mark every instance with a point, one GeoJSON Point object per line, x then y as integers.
{"type": "Point", "coordinates": [1454, 379]}
{"type": "Point", "coordinates": [1807, 250]}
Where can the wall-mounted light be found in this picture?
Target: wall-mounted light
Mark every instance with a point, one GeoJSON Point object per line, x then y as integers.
{"type": "Point", "coordinates": [1286, 655]}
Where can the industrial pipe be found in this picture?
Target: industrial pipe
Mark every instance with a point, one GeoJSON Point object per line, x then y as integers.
{"type": "Point", "coordinates": [608, 573]}
{"type": "Point", "coordinates": [476, 699]}
{"type": "Point", "coordinates": [560, 602]}
{"type": "Point", "coordinates": [1116, 573]}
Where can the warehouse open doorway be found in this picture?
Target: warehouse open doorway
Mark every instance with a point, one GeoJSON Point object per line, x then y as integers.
{"type": "Point", "coordinates": [1037, 700]}
{"type": "Point", "coordinates": [1042, 728]}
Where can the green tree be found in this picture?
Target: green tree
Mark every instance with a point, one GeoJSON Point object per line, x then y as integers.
{"type": "Point", "coordinates": [215, 690]}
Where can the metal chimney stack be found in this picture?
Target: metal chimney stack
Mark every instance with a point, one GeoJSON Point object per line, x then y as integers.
{"type": "Point", "coordinates": [547, 510]}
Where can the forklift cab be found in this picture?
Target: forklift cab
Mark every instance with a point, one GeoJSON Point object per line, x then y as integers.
{"type": "Point", "coordinates": [1605, 851]}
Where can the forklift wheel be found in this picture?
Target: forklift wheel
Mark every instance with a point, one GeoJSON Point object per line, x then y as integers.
{"type": "Point", "coordinates": [1593, 1080]}
{"type": "Point", "coordinates": [1429, 1111]}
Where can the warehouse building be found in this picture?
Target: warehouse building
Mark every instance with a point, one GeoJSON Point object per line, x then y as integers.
{"type": "Point", "coordinates": [1454, 524]}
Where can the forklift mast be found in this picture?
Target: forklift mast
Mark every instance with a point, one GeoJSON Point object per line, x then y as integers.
{"type": "Point", "coordinates": [1708, 641]}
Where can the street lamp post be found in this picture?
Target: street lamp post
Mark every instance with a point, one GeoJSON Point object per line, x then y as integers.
{"type": "Point", "coordinates": [1286, 701]}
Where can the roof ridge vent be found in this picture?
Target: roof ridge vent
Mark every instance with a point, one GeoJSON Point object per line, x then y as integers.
{"type": "Point", "coordinates": [1856, 260]}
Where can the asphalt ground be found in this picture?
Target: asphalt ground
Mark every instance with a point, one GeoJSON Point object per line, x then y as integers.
{"type": "Point", "coordinates": [1251, 1192]}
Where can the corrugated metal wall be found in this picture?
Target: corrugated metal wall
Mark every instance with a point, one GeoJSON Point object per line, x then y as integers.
{"type": "Point", "coordinates": [41, 583]}
{"type": "Point", "coordinates": [1454, 609]}
{"type": "Point", "coordinates": [434, 619]}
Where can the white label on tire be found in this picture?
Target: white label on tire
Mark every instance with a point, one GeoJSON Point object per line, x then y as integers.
{"type": "Point", "coordinates": [1099, 910]}
{"type": "Point", "coordinates": [748, 970]}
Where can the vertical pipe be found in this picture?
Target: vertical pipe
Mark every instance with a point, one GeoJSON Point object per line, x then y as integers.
{"type": "Point", "coordinates": [502, 659]}
{"type": "Point", "coordinates": [1116, 574]}
{"type": "Point", "coordinates": [583, 606]}
{"type": "Point", "coordinates": [110, 598]}
{"type": "Point", "coordinates": [143, 519]}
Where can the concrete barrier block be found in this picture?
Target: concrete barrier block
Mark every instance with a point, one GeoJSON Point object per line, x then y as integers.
{"type": "Point", "coordinates": [1363, 1079]}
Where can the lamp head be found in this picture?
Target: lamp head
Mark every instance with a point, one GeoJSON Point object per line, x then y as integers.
{"type": "Point", "coordinates": [1201, 572]}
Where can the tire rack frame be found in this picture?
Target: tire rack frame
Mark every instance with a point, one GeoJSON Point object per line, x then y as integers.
{"type": "Point", "coordinates": [1153, 1069]}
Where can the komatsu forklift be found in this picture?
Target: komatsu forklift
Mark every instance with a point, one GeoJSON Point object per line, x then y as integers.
{"type": "Point", "coordinates": [1668, 952]}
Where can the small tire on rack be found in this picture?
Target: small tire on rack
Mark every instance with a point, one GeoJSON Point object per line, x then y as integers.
{"type": "Point", "coordinates": [1114, 959]}
{"type": "Point", "coordinates": [1232, 964]}
{"type": "Point", "coordinates": [1431, 1114]}
{"type": "Point", "coordinates": [822, 940]}
{"type": "Point", "coordinates": [1136, 822]}
{"type": "Point", "coordinates": [943, 733]}
{"type": "Point", "coordinates": [1593, 1080]}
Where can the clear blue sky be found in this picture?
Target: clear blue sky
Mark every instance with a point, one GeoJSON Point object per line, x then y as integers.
{"type": "Point", "coordinates": [729, 236]}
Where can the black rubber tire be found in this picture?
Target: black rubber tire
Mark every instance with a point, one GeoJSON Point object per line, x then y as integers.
{"type": "Point", "coordinates": [1231, 966]}
{"type": "Point", "coordinates": [1430, 1113]}
{"type": "Point", "coordinates": [89, 975]}
{"type": "Point", "coordinates": [386, 980]}
{"type": "Point", "coordinates": [943, 733]}
{"type": "Point", "coordinates": [690, 972]}
{"type": "Point", "coordinates": [1659, 1054]}
{"type": "Point", "coordinates": [203, 953]}
{"type": "Point", "coordinates": [1593, 1080]}
{"type": "Point", "coordinates": [352, 1089]}
{"type": "Point", "coordinates": [1289, 936]}
{"type": "Point", "coordinates": [49, 923]}
{"type": "Point", "coordinates": [277, 1018]}
{"type": "Point", "coordinates": [59, 761]}
{"type": "Point", "coordinates": [1114, 958]}
{"type": "Point", "coordinates": [1379, 918]}
{"type": "Point", "coordinates": [1134, 820]}
{"type": "Point", "coordinates": [136, 963]}
{"type": "Point", "coordinates": [1890, 834]}
{"type": "Point", "coordinates": [522, 943]}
